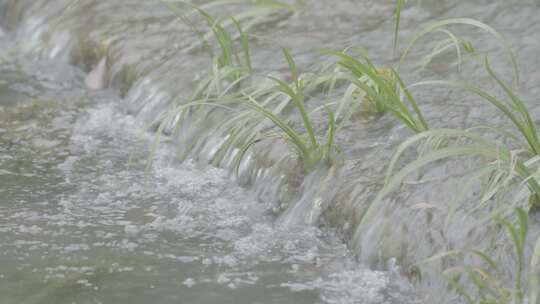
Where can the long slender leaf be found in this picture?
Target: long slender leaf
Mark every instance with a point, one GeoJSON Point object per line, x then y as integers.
{"type": "Point", "coordinates": [464, 21]}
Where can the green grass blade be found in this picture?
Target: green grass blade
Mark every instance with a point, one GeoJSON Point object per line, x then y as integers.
{"type": "Point", "coordinates": [488, 260]}
{"type": "Point", "coordinates": [437, 257]}
{"type": "Point", "coordinates": [293, 137]}
{"type": "Point", "coordinates": [456, 44]}
{"type": "Point", "coordinates": [222, 37]}
{"type": "Point", "coordinates": [516, 235]}
{"type": "Point", "coordinates": [523, 224]}
{"type": "Point", "coordinates": [292, 67]}
{"type": "Point", "coordinates": [531, 127]}
{"type": "Point", "coordinates": [522, 126]}
{"type": "Point", "coordinates": [331, 131]}
{"type": "Point", "coordinates": [299, 102]}
{"type": "Point", "coordinates": [180, 15]}
{"type": "Point", "coordinates": [245, 46]}
{"type": "Point", "coordinates": [412, 101]}
{"type": "Point", "coordinates": [386, 96]}
{"type": "Point", "coordinates": [399, 4]}
{"type": "Point", "coordinates": [465, 21]}
{"type": "Point", "coordinates": [505, 133]}
{"type": "Point", "coordinates": [534, 270]}
{"type": "Point", "coordinates": [397, 179]}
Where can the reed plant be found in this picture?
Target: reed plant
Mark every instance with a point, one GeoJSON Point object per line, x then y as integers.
{"type": "Point", "coordinates": [505, 165]}
{"type": "Point", "coordinates": [310, 150]}
{"type": "Point", "coordinates": [454, 41]}
{"type": "Point", "coordinates": [482, 282]}
{"type": "Point", "coordinates": [227, 87]}
{"type": "Point", "coordinates": [215, 89]}
{"type": "Point", "coordinates": [268, 106]}
{"type": "Point", "coordinates": [256, 108]}
{"type": "Point", "coordinates": [384, 90]}
{"type": "Point", "coordinates": [253, 13]}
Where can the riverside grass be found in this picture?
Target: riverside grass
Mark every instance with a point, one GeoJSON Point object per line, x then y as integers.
{"type": "Point", "coordinates": [479, 284]}
{"type": "Point", "coordinates": [461, 45]}
{"type": "Point", "coordinates": [245, 96]}
{"type": "Point", "coordinates": [310, 151]}
{"type": "Point", "coordinates": [504, 159]}
{"type": "Point", "coordinates": [256, 12]}
{"type": "Point", "coordinates": [384, 90]}
{"type": "Point", "coordinates": [504, 165]}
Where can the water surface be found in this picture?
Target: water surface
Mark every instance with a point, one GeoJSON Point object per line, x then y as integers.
{"type": "Point", "coordinates": [83, 220]}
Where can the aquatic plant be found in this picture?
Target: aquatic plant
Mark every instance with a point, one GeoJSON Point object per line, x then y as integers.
{"type": "Point", "coordinates": [508, 163]}
{"type": "Point", "coordinates": [222, 87]}
{"type": "Point", "coordinates": [453, 41]}
{"type": "Point", "coordinates": [482, 282]}
{"type": "Point", "coordinates": [229, 64]}
{"type": "Point", "coordinates": [270, 99]}
{"type": "Point", "coordinates": [503, 164]}
{"type": "Point", "coordinates": [515, 111]}
{"type": "Point", "coordinates": [399, 7]}
{"type": "Point", "coordinates": [458, 43]}
{"type": "Point", "coordinates": [256, 12]}
{"type": "Point", "coordinates": [384, 89]}
{"type": "Point", "coordinates": [381, 90]}
{"type": "Point", "coordinates": [227, 70]}
{"type": "Point", "coordinates": [307, 147]}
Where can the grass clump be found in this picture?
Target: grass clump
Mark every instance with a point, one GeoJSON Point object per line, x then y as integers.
{"type": "Point", "coordinates": [309, 149]}
{"type": "Point", "coordinates": [507, 173]}
{"type": "Point", "coordinates": [479, 282]}
{"type": "Point", "coordinates": [254, 108]}
{"type": "Point", "coordinates": [504, 168]}
{"type": "Point", "coordinates": [502, 164]}
{"type": "Point", "coordinates": [453, 41]}
{"type": "Point", "coordinates": [381, 90]}
{"type": "Point", "coordinates": [440, 26]}
{"type": "Point", "coordinates": [255, 13]}
{"type": "Point", "coordinates": [233, 86]}
{"type": "Point", "coordinates": [230, 67]}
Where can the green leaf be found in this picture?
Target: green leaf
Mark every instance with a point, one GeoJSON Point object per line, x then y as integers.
{"type": "Point", "coordinates": [464, 21]}
{"type": "Point", "coordinates": [534, 270]}
{"type": "Point", "coordinates": [245, 46]}
{"type": "Point", "coordinates": [292, 67]}
{"type": "Point", "coordinates": [299, 102]}
{"type": "Point", "coordinates": [400, 4]}
{"type": "Point", "coordinates": [485, 258]}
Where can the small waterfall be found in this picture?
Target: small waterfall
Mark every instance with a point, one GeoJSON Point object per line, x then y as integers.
{"type": "Point", "coordinates": [142, 51]}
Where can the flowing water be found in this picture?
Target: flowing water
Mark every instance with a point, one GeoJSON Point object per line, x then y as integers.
{"type": "Point", "coordinates": [84, 219]}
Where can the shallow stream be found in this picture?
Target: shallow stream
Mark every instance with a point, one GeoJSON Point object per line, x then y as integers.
{"type": "Point", "coordinates": [83, 221]}
{"type": "Point", "coordinates": [85, 217]}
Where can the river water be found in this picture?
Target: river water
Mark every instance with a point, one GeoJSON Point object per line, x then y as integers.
{"type": "Point", "coordinates": [84, 219]}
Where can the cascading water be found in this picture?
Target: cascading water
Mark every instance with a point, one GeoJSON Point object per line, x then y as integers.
{"type": "Point", "coordinates": [84, 221]}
